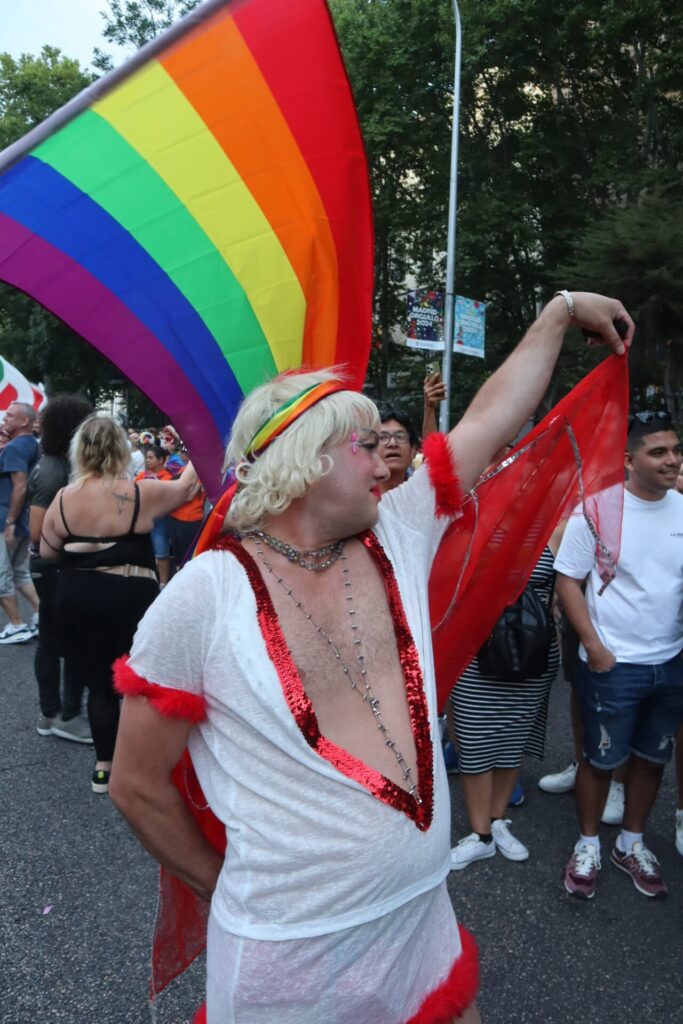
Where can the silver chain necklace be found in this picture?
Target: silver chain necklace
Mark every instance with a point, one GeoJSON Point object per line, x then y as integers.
{"type": "Point", "coordinates": [334, 551]}
{"type": "Point", "coordinates": [364, 692]}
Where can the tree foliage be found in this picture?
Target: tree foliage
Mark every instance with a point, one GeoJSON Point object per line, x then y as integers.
{"type": "Point", "coordinates": [132, 23]}
{"type": "Point", "coordinates": [31, 88]}
{"type": "Point", "coordinates": [637, 250]}
{"type": "Point", "coordinates": [567, 112]}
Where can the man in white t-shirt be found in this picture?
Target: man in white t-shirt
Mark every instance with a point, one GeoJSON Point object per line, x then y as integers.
{"type": "Point", "coordinates": [630, 673]}
{"type": "Point", "coordinates": [137, 459]}
{"type": "Point", "coordinates": [303, 681]}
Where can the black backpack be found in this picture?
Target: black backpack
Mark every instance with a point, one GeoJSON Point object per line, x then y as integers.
{"type": "Point", "coordinates": [519, 644]}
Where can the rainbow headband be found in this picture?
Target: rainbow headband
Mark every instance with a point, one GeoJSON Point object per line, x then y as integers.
{"type": "Point", "coordinates": [287, 414]}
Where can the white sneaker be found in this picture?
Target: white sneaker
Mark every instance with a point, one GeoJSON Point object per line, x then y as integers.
{"type": "Point", "coordinates": [34, 624]}
{"type": "Point", "coordinates": [468, 850]}
{"type": "Point", "coordinates": [15, 634]}
{"type": "Point", "coordinates": [613, 813]}
{"type": "Point", "coordinates": [561, 782]}
{"type": "Point", "coordinates": [506, 842]}
{"type": "Point", "coordinates": [679, 832]}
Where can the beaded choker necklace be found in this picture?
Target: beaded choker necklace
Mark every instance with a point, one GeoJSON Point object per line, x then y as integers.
{"type": "Point", "coordinates": [330, 553]}
{"type": "Point", "coordinates": [362, 685]}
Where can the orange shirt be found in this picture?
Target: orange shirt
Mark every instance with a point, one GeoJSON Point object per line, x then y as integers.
{"type": "Point", "coordinates": [145, 474]}
{"type": "Point", "coordinates": [191, 511]}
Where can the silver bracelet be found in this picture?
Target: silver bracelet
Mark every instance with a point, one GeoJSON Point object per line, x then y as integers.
{"type": "Point", "coordinates": [570, 302]}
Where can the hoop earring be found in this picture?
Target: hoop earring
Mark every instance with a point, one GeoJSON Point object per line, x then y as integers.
{"type": "Point", "coordinates": [242, 472]}
{"type": "Point", "coordinates": [329, 464]}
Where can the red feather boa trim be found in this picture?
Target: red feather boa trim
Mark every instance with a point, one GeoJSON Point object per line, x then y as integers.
{"type": "Point", "coordinates": [168, 702]}
{"type": "Point", "coordinates": [457, 992]}
{"type": "Point", "coordinates": [449, 496]}
{"type": "Point", "coordinates": [447, 1002]}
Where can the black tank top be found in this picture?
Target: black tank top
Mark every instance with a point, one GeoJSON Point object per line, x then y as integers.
{"type": "Point", "coordinates": [126, 549]}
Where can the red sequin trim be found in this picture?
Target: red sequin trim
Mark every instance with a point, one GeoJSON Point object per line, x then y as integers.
{"type": "Point", "coordinates": [167, 701]}
{"type": "Point", "coordinates": [442, 475]}
{"type": "Point", "coordinates": [302, 709]}
{"type": "Point", "coordinates": [457, 992]}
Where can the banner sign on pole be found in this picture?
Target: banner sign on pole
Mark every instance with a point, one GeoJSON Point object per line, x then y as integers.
{"type": "Point", "coordinates": [426, 323]}
{"type": "Point", "coordinates": [470, 327]}
{"type": "Point", "coordinates": [425, 319]}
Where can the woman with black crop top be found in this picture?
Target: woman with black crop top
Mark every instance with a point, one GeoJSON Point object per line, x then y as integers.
{"type": "Point", "coordinates": [99, 528]}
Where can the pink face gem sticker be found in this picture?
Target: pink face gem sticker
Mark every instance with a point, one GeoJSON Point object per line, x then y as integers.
{"type": "Point", "coordinates": [355, 443]}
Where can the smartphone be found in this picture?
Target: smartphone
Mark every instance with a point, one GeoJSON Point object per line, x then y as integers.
{"type": "Point", "coordinates": [433, 368]}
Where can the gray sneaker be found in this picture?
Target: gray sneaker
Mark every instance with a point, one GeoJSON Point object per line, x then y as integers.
{"type": "Point", "coordinates": [44, 725]}
{"type": "Point", "coordinates": [76, 729]}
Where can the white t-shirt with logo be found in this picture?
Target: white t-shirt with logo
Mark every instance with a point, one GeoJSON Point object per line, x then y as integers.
{"type": "Point", "coordinates": [639, 616]}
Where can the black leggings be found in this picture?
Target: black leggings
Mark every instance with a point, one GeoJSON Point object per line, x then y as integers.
{"type": "Point", "coordinates": [47, 663]}
{"type": "Point", "coordinates": [97, 615]}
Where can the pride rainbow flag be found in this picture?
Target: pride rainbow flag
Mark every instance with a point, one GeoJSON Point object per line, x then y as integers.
{"type": "Point", "coordinates": [202, 215]}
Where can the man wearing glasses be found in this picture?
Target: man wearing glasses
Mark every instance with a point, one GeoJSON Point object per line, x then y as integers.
{"type": "Point", "coordinates": [398, 444]}
{"type": "Point", "coordinates": [398, 436]}
{"type": "Point", "coordinates": [630, 674]}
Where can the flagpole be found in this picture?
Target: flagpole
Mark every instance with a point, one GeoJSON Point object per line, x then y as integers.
{"type": "Point", "coordinates": [449, 309]}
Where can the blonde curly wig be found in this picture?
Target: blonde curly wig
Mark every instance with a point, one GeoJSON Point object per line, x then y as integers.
{"type": "Point", "coordinates": [297, 459]}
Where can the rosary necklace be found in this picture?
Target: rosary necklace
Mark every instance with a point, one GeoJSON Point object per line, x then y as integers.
{"type": "Point", "coordinates": [331, 553]}
{"type": "Point", "coordinates": [364, 691]}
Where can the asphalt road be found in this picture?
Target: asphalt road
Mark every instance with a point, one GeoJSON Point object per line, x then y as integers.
{"type": "Point", "coordinates": [77, 900]}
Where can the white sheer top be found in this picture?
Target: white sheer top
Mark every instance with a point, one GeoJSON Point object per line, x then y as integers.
{"type": "Point", "coordinates": [317, 842]}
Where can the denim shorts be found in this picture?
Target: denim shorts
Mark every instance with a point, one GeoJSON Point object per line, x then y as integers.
{"type": "Point", "coordinates": [160, 538]}
{"type": "Point", "coordinates": [631, 708]}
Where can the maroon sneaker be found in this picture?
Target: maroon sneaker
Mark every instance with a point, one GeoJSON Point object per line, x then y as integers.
{"type": "Point", "coordinates": [582, 871]}
{"type": "Point", "coordinates": [643, 867]}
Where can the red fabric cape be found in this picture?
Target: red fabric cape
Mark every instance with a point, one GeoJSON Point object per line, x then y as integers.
{"type": "Point", "coordinates": [487, 555]}
{"type": "Point", "coordinates": [483, 564]}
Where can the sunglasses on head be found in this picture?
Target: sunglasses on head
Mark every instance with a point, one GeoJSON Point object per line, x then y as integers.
{"type": "Point", "coordinates": [648, 416]}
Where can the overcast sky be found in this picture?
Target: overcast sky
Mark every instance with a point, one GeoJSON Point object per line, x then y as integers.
{"type": "Point", "coordinates": [75, 26]}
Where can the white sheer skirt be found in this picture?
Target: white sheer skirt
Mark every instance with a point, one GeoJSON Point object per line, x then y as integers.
{"type": "Point", "coordinates": [375, 973]}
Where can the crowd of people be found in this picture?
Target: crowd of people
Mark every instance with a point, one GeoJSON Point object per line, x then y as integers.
{"type": "Point", "coordinates": [96, 521]}
{"type": "Point", "coordinates": [70, 469]}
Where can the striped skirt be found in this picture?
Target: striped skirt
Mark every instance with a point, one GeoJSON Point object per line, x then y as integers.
{"type": "Point", "coordinates": [496, 723]}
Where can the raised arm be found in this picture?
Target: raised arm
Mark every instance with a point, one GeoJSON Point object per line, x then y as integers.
{"type": "Point", "coordinates": [434, 391]}
{"type": "Point", "coordinates": [148, 747]}
{"type": "Point", "coordinates": [511, 395]}
{"type": "Point", "coordinates": [159, 497]}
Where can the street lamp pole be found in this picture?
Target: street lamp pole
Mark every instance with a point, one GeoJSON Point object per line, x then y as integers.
{"type": "Point", "coordinates": [449, 310]}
